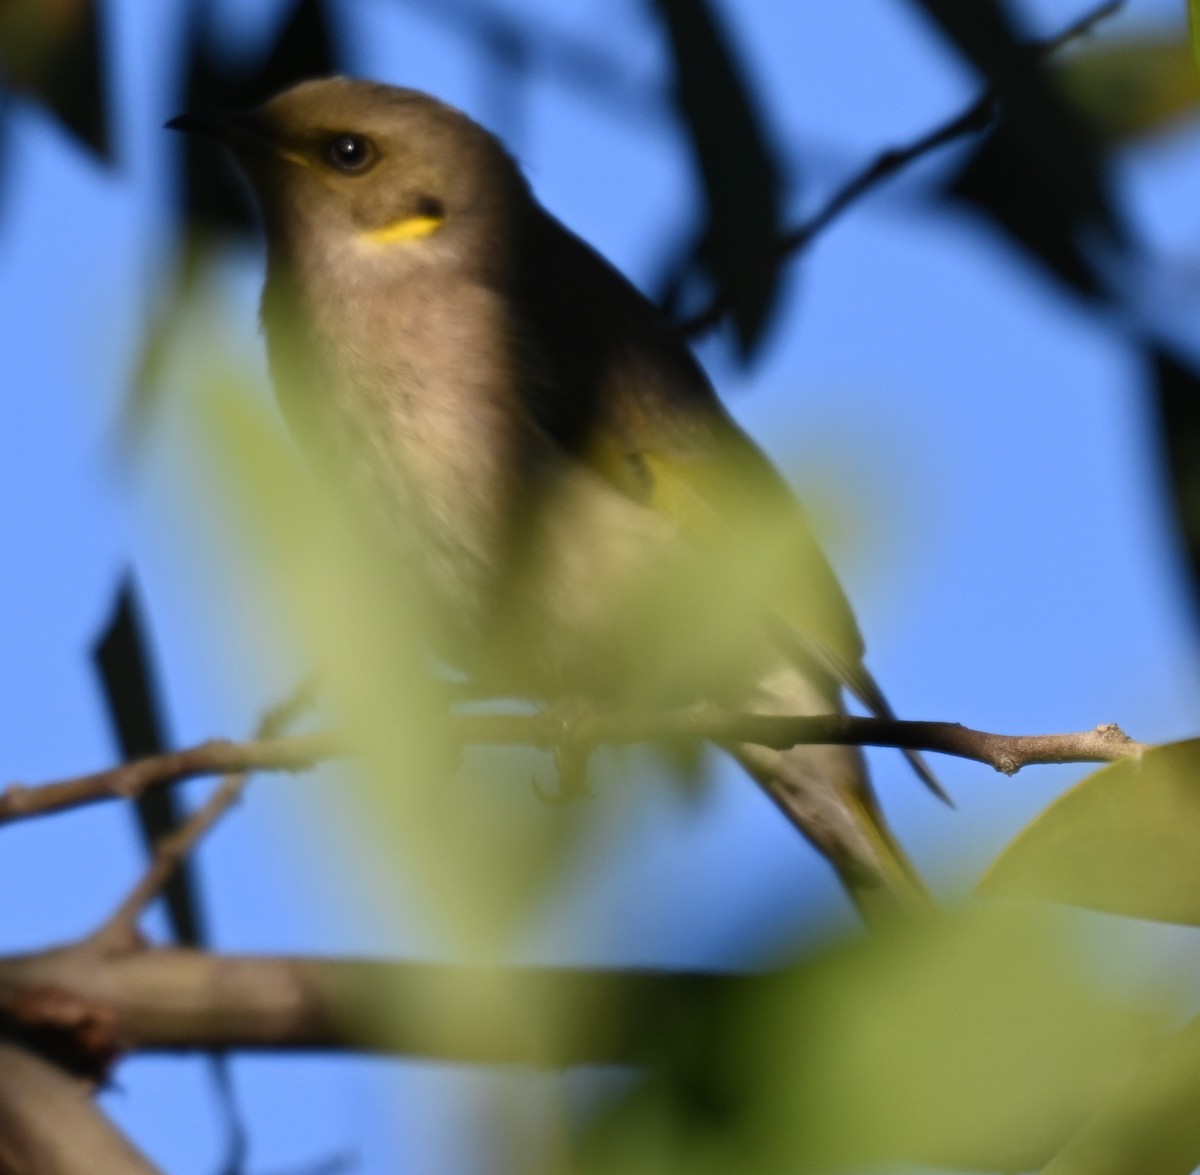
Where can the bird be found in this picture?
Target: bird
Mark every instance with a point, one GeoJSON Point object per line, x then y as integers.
{"type": "Point", "coordinates": [542, 449]}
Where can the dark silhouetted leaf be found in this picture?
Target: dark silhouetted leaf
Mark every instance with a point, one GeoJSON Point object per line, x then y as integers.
{"type": "Point", "coordinates": [4, 145]}
{"type": "Point", "coordinates": [214, 204]}
{"type": "Point", "coordinates": [737, 164]}
{"type": "Point", "coordinates": [1125, 840]}
{"type": "Point", "coordinates": [1040, 175]}
{"type": "Point", "coordinates": [304, 48]}
{"type": "Point", "coordinates": [524, 46]}
{"type": "Point", "coordinates": [1134, 86]}
{"type": "Point", "coordinates": [1177, 388]}
{"type": "Point", "coordinates": [56, 52]}
{"type": "Point", "coordinates": [122, 659]}
{"type": "Point", "coordinates": [1149, 1125]}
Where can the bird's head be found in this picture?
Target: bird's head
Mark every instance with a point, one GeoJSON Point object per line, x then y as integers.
{"type": "Point", "coordinates": [372, 172]}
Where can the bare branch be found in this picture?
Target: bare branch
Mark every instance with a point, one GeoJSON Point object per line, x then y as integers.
{"type": "Point", "coordinates": [573, 727]}
{"type": "Point", "coordinates": [49, 1124]}
{"type": "Point", "coordinates": [179, 999]}
{"type": "Point", "coordinates": [971, 120]}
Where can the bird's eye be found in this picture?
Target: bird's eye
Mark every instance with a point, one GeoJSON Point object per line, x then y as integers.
{"type": "Point", "coordinates": [352, 154]}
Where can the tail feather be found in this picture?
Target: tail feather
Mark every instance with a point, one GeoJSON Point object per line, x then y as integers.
{"type": "Point", "coordinates": [868, 692]}
{"type": "Point", "coordinates": [804, 651]}
{"type": "Point", "coordinates": [825, 793]}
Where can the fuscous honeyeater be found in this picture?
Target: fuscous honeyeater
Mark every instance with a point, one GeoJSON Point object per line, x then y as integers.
{"type": "Point", "coordinates": [541, 445]}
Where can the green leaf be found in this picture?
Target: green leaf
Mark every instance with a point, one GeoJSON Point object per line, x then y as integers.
{"type": "Point", "coordinates": [1150, 1124]}
{"type": "Point", "coordinates": [474, 852]}
{"type": "Point", "coordinates": [1132, 86]}
{"type": "Point", "coordinates": [1126, 840]}
{"type": "Point", "coordinates": [980, 1041]}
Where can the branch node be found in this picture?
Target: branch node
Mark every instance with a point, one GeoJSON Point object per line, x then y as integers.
{"type": "Point", "coordinates": [64, 1027]}
{"type": "Point", "coordinates": [1007, 765]}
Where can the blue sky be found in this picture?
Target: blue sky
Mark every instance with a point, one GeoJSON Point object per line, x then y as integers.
{"type": "Point", "coordinates": [979, 450]}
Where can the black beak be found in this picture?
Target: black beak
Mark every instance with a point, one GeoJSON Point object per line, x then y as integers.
{"type": "Point", "coordinates": [212, 125]}
{"type": "Point", "coordinates": [228, 128]}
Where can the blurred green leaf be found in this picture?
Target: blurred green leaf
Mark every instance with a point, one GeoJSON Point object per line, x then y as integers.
{"type": "Point", "coordinates": [471, 845]}
{"type": "Point", "coordinates": [1125, 840]}
{"type": "Point", "coordinates": [1149, 1125]}
{"type": "Point", "coordinates": [979, 1041]}
{"type": "Point", "coordinates": [1133, 86]}
{"type": "Point", "coordinates": [739, 169]}
{"type": "Point", "coordinates": [54, 50]}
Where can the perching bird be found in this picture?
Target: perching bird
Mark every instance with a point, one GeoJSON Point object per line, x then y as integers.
{"type": "Point", "coordinates": [542, 447]}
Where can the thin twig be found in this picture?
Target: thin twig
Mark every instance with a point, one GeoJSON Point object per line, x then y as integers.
{"type": "Point", "coordinates": [972, 119]}
{"type": "Point", "coordinates": [173, 850]}
{"type": "Point", "coordinates": [128, 781]}
{"type": "Point", "coordinates": [1079, 27]}
{"type": "Point", "coordinates": [575, 727]}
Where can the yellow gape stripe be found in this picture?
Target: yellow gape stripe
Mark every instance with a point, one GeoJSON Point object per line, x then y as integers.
{"type": "Point", "coordinates": [409, 228]}
{"type": "Point", "coordinates": [293, 157]}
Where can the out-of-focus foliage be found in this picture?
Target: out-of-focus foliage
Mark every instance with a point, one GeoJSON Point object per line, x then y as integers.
{"type": "Point", "coordinates": [122, 658]}
{"type": "Point", "coordinates": [1041, 177]}
{"type": "Point", "coordinates": [473, 846]}
{"type": "Point", "coordinates": [978, 1041]}
{"type": "Point", "coordinates": [305, 46]}
{"type": "Point", "coordinates": [123, 661]}
{"type": "Point", "coordinates": [1039, 174]}
{"type": "Point", "coordinates": [1149, 1125]}
{"type": "Point", "coordinates": [55, 51]}
{"type": "Point", "coordinates": [214, 207]}
{"type": "Point", "coordinates": [740, 175]}
{"type": "Point", "coordinates": [1177, 387]}
{"type": "Point", "coordinates": [1124, 840]}
{"type": "Point", "coordinates": [1134, 86]}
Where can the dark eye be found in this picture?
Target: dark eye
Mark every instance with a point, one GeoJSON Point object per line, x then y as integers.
{"type": "Point", "coordinates": [350, 153]}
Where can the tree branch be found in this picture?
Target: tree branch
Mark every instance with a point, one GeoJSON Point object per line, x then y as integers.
{"type": "Point", "coordinates": [972, 119]}
{"type": "Point", "coordinates": [49, 1124]}
{"type": "Point", "coordinates": [573, 728]}
{"type": "Point", "coordinates": [86, 1004]}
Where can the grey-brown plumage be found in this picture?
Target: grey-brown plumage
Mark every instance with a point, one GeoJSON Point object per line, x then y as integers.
{"type": "Point", "coordinates": [541, 445]}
